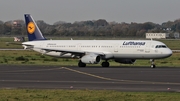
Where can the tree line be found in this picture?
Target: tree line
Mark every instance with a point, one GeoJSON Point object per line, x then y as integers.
{"type": "Point", "coordinates": [92, 28]}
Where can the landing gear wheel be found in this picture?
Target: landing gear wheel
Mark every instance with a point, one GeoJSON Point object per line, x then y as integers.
{"type": "Point", "coordinates": [105, 64]}
{"type": "Point", "coordinates": [80, 64]}
{"type": "Point", "coordinates": [153, 66]}
{"type": "Point", "coordinates": [152, 63]}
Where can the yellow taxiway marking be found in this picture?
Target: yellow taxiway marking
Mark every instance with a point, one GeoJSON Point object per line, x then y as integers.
{"type": "Point", "coordinates": [117, 80]}
{"type": "Point", "coordinates": [92, 75]}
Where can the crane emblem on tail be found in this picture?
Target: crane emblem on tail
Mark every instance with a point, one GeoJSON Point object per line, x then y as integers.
{"type": "Point", "coordinates": [31, 27]}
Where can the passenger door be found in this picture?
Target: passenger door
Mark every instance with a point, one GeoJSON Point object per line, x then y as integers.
{"type": "Point", "coordinates": [147, 48]}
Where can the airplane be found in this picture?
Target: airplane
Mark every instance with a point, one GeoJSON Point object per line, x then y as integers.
{"type": "Point", "coordinates": [95, 51]}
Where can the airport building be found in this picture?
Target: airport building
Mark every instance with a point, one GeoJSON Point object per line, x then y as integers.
{"type": "Point", "coordinates": [157, 35]}
{"type": "Point", "coordinates": [22, 39]}
{"type": "Point", "coordinates": [17, 24]}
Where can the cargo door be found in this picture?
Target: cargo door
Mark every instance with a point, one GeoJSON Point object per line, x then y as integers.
{"type": "Point", "coordinates": [116, 48]}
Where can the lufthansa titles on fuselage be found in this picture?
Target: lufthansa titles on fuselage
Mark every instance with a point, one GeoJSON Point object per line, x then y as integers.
{"type": "Point", "coordinates": [133, 43]}
{"type": "Point", "coordinates": [51, 44]}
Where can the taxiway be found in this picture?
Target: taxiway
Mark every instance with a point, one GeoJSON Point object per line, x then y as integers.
{"type": "Point", "coordinates": [112, 78]}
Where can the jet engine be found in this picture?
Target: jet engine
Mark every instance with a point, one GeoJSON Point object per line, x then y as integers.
{"type": "Point", "coordinates": [125, 61]}
{"type": "Point", "coordinates": [91, 59]}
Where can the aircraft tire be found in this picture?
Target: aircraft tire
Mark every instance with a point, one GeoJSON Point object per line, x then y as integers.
{"type": "Point", "coordinates": [105, 64]}
{"type": "Point", "coordinates": [153, 66]}
{"type": "Point", "coordinates": [81, 64]}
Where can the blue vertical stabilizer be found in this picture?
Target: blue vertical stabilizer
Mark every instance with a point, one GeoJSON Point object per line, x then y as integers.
{"type": "Point", "coordinates": [32, 29]}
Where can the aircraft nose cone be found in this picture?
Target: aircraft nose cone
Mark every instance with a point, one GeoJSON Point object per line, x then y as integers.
{"type": "Point", "coordinates": [169, 52]}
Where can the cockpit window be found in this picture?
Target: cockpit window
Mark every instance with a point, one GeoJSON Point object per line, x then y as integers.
{"type": "Point", "coordinates": [161, 46]}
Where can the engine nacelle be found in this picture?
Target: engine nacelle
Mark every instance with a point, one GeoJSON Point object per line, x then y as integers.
{"type": "Point", "coordinates": [125, 61]}
{"type": "Point", "coordinates": [91, 59]}
{"type": "Point", "coordinates": [28, 47]}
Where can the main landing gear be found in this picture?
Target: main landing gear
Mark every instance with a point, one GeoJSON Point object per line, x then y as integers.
{"type": "Point", "coordinates": [105, 64]}
{"type": "Point", "coordinates": [152, 63]}
{"type": "Point", "coordinates": [81, 64]}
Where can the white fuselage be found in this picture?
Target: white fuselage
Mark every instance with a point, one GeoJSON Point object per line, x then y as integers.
{"type": "Point", "coordinates": [112, 49]}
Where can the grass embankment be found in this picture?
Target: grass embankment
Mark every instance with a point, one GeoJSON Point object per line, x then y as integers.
{"type": "Point", "coordinates": [84, 95]}
{"type": "Point", "coordinates": [29, 57]}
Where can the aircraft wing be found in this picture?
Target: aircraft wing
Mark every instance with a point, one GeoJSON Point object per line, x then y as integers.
{"type": "Point", "coordinates": [72, 51]}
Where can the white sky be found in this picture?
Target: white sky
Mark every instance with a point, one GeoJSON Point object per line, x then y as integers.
{"type": "Point", "coordinates": [140, 11]}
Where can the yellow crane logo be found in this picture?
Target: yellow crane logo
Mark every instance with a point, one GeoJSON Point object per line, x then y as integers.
{"type": "Point", "coordinates": [31, 27]}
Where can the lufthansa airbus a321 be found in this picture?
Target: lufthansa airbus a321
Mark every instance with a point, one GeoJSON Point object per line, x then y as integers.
{"type": "Point", "coordinates": [95, 51]}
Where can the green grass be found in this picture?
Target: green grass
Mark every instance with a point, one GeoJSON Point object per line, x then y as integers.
{"type": "Point", "coordinates": [84, 95]}
{"type": "Point", "coordinates": [172, 44]}
{"type": "Point", "coordinates": [29, 57]}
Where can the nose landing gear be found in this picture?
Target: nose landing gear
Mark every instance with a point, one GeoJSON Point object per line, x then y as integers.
{"type": "Point", "coordinates": [152, 63]}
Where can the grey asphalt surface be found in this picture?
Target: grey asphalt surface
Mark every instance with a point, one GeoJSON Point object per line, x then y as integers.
{"type": "Point", "coordinates": [112, 78]}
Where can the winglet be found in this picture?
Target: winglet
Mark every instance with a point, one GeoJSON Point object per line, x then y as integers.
{"type": "Point", "coordinates": [32, 29]}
